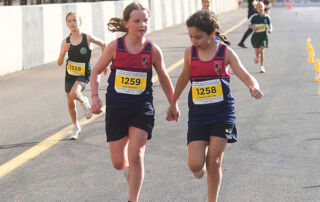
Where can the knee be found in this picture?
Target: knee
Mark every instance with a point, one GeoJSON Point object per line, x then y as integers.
{"type": "Point", "coordinates": [214, 163]}
{"type": "Point", "coordinates": [74, 95]}
{"type": "Point", "coordinates": [118, 165]}
{"type": "Point", "coordinates": [135, 159]}
{"type": "Point", "coordinates": [195, 166]}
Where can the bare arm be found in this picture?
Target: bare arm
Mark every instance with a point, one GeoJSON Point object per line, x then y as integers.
{"type": "Point", "coordinates": [173, 111]}
{"type": "Point", "coordinates": [107, 56]}
{"type": "Point", "coordinates": [162, 73]}
{"type": "Point", "coordinates": [97, 41]}
{"type": "Point", "coordinates": [64, 48]}
{"type": "Point", "coordinates": [239, 70]}
{"type": "Point", "coordinates": [270, 28]}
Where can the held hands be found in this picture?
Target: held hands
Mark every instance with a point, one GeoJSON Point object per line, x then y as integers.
{"type": "Point", "coordinates": [173, 113]}
{"type": "Point", "coordinates": [255, 92]}
{"type": "Point", "coordinates": [96, 104]}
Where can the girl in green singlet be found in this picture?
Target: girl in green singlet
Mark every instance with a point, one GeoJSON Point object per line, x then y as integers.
{"type": "Point", "coordinates": [78, 68]}
{"type": "Point", "coordinates": [261, 25]}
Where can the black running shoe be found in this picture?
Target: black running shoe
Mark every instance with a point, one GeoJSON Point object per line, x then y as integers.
{"type": "Point", "coordinates": [242, 45]}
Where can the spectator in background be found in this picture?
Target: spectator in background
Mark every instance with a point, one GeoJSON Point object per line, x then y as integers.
{"type": "Point", "coordinates": [206, 6]}
{"type": "Point", "coordinates": [251, 11]}
{"type": "Point", "coordinates": [239, 2]}
{"type": "Point", "coordinates": [267, 5]}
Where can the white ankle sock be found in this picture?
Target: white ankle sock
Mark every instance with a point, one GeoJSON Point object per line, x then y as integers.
{"type": "Point", "coordinates": [76, 125]}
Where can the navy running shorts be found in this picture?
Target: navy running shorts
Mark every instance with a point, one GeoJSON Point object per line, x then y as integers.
{"type": "Point", "coordinates": [118, 121]}
{"type": "Point", "coordinates": [203, 132]}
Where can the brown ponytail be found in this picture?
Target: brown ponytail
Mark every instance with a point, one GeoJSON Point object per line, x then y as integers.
{"type": "Point", "coordinates": [223, 38]}
{"type": "Point", "coordinates": [117, 24]}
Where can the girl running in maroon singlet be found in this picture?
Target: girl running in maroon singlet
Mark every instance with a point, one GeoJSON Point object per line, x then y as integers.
{"type": "Point", "coordinates": [129, 100]}
{"type": "Point", "coordinates": [211, 123]}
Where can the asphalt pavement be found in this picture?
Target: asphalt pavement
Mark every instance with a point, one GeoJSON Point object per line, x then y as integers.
{"type": "Point", "coordinates": [276, 158]}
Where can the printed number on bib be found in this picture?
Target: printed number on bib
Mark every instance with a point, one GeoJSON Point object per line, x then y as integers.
{"type": "Point", "coordinates": [207, 92]}
{"type": "Point", "coordinates": [133, 83]}
{"type": "Point", "coordinates": [76, 69]}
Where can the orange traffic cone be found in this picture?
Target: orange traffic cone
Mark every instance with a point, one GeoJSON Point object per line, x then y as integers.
{"type": "Point", "coordinates": [311, 55]}
{"type": "Point", "coordinates": [317, 78]}
{"type": "Point", "coordinates": [317, 65]}
{"type": "Point", "coordinates": [309, 46]}
{"type": "Point", "coordinates": [290, 4]}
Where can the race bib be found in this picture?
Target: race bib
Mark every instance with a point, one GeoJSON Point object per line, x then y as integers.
{"type": "Point", "coordinates": [260, 27]}
{"type": "Point", "coordinates": [76, 69]}
{"type": "Point", "coordinates": [133, 83]}
{"type": "Point", "coordinates": [207, 92]}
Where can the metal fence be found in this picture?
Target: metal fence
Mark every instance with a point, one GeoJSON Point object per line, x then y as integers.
{"type": "Point", "coordinates": [37, 2]}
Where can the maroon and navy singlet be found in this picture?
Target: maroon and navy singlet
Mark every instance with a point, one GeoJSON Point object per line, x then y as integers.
{"type": "Point", "coordinates": [210, 99]}
{"type": "Point", "coordinates": [130, 78]}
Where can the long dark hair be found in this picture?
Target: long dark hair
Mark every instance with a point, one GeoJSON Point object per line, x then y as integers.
{"type": "Point", "coordinates": [206, 22]}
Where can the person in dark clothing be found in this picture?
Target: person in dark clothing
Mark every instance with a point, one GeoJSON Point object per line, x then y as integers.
{"type": "Point", "coordinates": [251, 11]}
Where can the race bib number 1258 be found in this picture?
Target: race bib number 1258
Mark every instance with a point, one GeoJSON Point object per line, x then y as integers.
{"type": "Point", "coordinates": [207, 92]}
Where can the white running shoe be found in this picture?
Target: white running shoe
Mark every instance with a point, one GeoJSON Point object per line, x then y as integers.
{"type": "Point", "coordinates": [126, 173]}
{"type": "Point", "coordinates": [75, 134]}
{"type": "Point", "coordinates": [262, 69]}
{"type": "Point", "coordinates": [87, 108]}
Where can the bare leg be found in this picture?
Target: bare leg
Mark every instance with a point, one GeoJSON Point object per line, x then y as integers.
{"type": "Point", "coordinates": [257, 53]}
{"type": "Point", "coordinates": [75, 92]}
{"type": "Point", "coordinates": [72, 108]}
{"type": "Point", "coordinates": [261, 51]}
{"type": "Point", "coordinates": [214, 161]}
{"type": "Point", "coordinates": [136, 149]}
{"type": "Point", "coordinates": [118, 153]}
{"type": "Point", "coordinates": [196, 155]}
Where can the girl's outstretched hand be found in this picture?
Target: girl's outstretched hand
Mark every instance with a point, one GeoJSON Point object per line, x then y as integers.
{"type": "Point", "coordinates": [173, 113]}
{"type": "Point", "coordinates": [255, 92]}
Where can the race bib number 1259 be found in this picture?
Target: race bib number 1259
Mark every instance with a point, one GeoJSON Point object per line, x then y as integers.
{"type": "Point", "coordinates": [128, 82]}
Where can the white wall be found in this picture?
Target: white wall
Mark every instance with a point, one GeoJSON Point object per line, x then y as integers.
{"type": "Point", "coordinates": [31, 35]}
{"type": "Point", "coordinates": [52, 27]}
{"type": "Point", "coordinates": [10, 40]}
